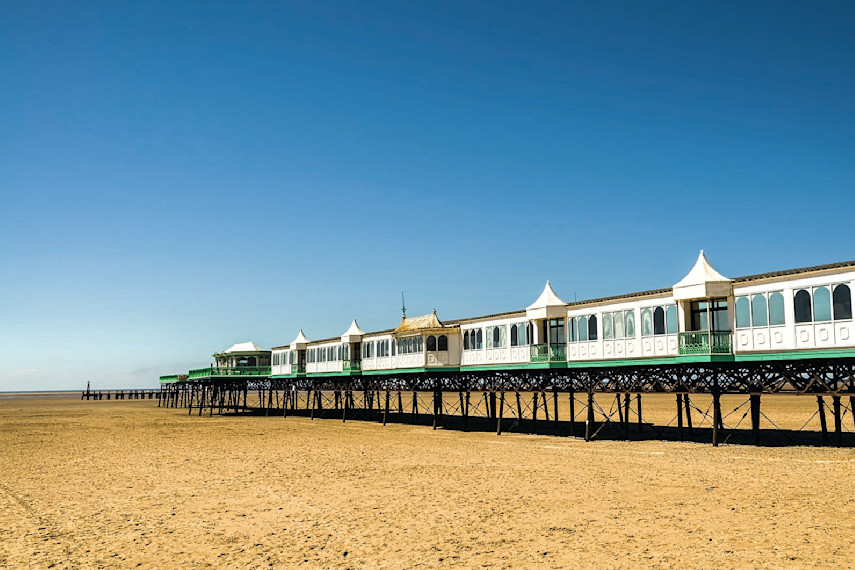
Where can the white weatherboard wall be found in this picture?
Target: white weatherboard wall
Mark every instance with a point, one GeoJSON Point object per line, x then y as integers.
{"type": "Point", "coordinates": [376, 362]}
{"type": "Point", "coordinates": [813, 335]}
{"type": "Point", "coordinates": [491, 355]}
{"type": "Point", "coordinates": [635, 346]}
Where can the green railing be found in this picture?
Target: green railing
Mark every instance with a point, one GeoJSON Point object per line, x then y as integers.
{"type": "Point", "coordinates": [172, 378]}
{"type": "Point", "coordinates": [351, 365]}
{"type": "Point", "coordinates": [236, 371]}
{"type": "Point", "coordinates": [706, 342]}
{"type": "Point", "coordinates": [546, 353]}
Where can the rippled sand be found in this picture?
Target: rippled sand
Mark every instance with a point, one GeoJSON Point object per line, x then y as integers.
{"type": "Point", "coordinates": [128, 484]}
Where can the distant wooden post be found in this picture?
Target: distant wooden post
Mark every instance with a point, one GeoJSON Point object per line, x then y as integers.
{"type": "Point", "coordinates": [822, 424]}
{"type": "Point", "coordinates": [640, 423]}
{"type": "Point", "coordinates": [680, 415]}
{"type": "Point", "coordinates": [555, 405]}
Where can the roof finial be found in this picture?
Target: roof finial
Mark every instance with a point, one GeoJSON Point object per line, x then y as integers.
{"type": "Point", "coordinates": [403, 306]}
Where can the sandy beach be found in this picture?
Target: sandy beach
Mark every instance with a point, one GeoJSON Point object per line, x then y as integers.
{"type": "Point", "coordinates": [127, 484]}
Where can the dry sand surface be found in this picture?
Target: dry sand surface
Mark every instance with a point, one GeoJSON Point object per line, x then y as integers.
{"type": "Point", "coordinates": [128, 484]}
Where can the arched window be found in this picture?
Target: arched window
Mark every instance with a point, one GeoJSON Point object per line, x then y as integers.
{"type": "Point", "coordinates": [629, 316]}
{"type": "Point", "coordinates": [442, 342]}
{"type": "Point", "coordinates": [574, 330]}
{"type": "Point", "coordinates": [394, 346]}
{"type": "Point", "coordinates": [821, 304]}
{"type": "Point", "coordinates": [743, 313]}
{"type": "Point", "coordinates": [582, 324]}
{"type": "Point", "coordinates": [801, 304]}
{"type": "Point", "coordinates": [431, 343]}
{"type": "Point", "coordinates": [620, 331]}
{"type": "Point", "coordinates": [658, 320]}
{"type": "Point", "coordinates": [607, 326]}
{"type": "Point", "coordinates": [466, 340]}
{"type": "Point", "coordinates": [759, 314]}
{"type": "Point", "coordinates": [592, 327]}
{"type": "Point", "coordinates": [479, 338]}
{"type": "Point", "coordinates": [776, 308]}
{"type": "Point", "coordinates": [842, 302]}
{"type": "Point", "coordinates": [515, 341]}
{"type": "Point", "coordinates": [420, 343]}
{"type": "Point", "coordinates": [497, 339]}
{"type": "Point", "coordinates": [646, 322]}
{"type": "Point", "coordinates": [671, 319]}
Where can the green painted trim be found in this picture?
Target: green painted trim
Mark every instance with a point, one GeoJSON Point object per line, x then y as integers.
{"type": "Point", "coordinates": [410, 370]}
{"type": "Point", "coordinates": [704, 358]}
{"type": "Point", "coordinates": [796, 355]}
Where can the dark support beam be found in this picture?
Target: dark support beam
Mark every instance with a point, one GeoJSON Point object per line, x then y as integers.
{"type": "Point", "coordinates": [640, 423]}
{"type": "Point", "coordinates": [572, 414]}
{"type": "Point", "coordinates": [822, 423]}
{"type": "Point", "coordinates": [534, 412]}
{"type": "Point", "coordinates": [386, 408]}
{"type": "Point", "coordinates": [519, 409]}
{"type": "Point", "coordinates": [501, 408]}
{"type": "Point", "coordinates": [687, 405]}
{"type": "Point", "coordinates": [344, 407]}
{"type": "Point", "coordinates": [492, 405]}
{"type": "Point", "coordinates": [716, 416]}
{"type": "Point", "coordinates": [555, 405]}
{"type": "Point", "coordinates": [626, 414]}
{"type": "Point", "coordinates": [680, 415]}
{"type": "Point", "coordinates": [415, 408]}
{"type": "Point", "coordinates": [755, 417]}
{"type": "Point", "coordinates": [838, 419]}
{"type": "Point", "coordinates": [852, 407]}
{"type": "Point", "coordinates": [589, 423]}
{"type": "Point", "coordinates": [545, 406]}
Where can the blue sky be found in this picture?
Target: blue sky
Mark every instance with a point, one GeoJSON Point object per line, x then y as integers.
{"type": "Point", "coordinates": [178, 176]}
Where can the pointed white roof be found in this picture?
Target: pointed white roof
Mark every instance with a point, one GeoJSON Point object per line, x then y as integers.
{"type": "Point", "coordinates": [702, 282]}
{"type": "Point", "coordinates": [244, 347]}
{"type": "Point", "coordinates": [300, 341]}
{"type": "Point", "coordinates": [547, 306]}
{"type": "Point", "coordinates": [353, 333]}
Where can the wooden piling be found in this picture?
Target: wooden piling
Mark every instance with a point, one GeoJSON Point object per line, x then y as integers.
{"type": "Point", "coordinates": [755, 417]}
{"type": "Point", "coordinates": [501, 408]}
{"type": "Point", "coordinates": [820, 402]}
{"type": "Point", "coordinates": [534, 413]}
{"type": "Point", "coordinates": [626, 414]}
{"type": "Point", "coordinates": [680, 415]}
{"type": "Point", "coordinates": [386, 408]}
{"type": "Point", "coordinates": [716, 417]}
{"type": "Point", "coordinates": [572, 414]}
{"type": "Point", "coordinates": [687, 404]}
{"type": "Point", "coordinates": [640, 423]}
{"type": "Point", "coordinates": [838, 419]}
{"type": "Point", "coordinates": [589, 423]}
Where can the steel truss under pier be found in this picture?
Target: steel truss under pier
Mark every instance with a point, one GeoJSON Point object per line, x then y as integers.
{"type": "Point", "coordinates": [506, 399]}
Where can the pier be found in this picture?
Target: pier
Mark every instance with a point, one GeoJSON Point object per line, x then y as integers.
{"type": "Point", "coordinates": [588, 403]}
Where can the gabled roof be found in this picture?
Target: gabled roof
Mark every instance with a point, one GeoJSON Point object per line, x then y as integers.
{"type": "Point", "coordinates": [300, 340]}
{"type": "Point", "coordinates": [244, 347]}
{"type": "Point", "coordinates": [547, 306]}
{"type": "Point", "coordinates": [702, 282]}
{"type": "Point", "coordinates": [353, 333]}
{"type": "Point", "coordinates": [422, 323]}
